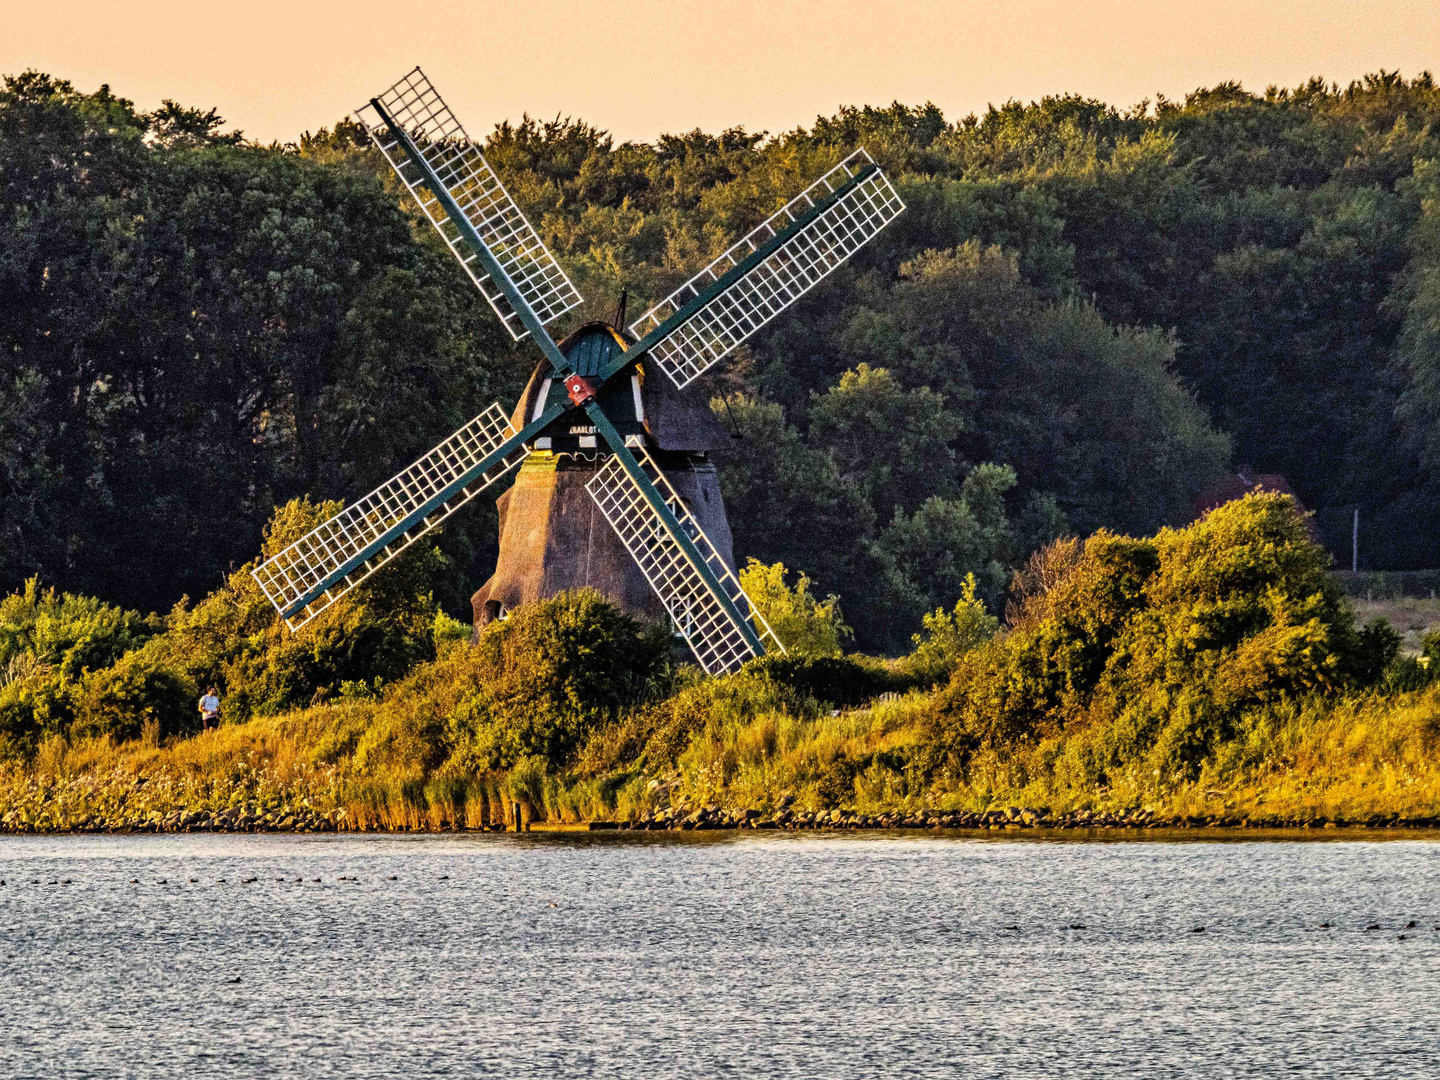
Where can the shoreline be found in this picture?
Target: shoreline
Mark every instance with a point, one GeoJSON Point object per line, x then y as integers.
{"type": "Point", "coordinates": [565, 832]}
{"type": "Point", "coordinates": [1025, 823]}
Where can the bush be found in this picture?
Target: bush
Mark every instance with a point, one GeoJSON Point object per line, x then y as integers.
{"type": "Point", "coordinates": [235, 640]}
{"type": "Point", "coordinates": [132, 697]}
{"type": "Point", "coordinates": [71, 634]}
{"type": "Point", "coordinates": [805, 626]}
{"type": "Point", "coordinates": [1161, 645]}
{"type": "Point", "coordinates": [1406, 673]}
{"type": "Point", "coordinates": [1379, 646]}
{"type": "Point", "coordinates": [50, 645]}
{"type": "Point", "coordinates": [838, 680]}
{"type": "Point", "coordinates": [447, 631]}
{"type": "Point", "coordinates": [31, 709]}
{"type": "Point", "coordinates": [65, 658]}
{"type": "Point", "coordinates": [551, 673]}
{"type": "Point", "coordinates": [406, 738]}
{"type": "Point", "coordinates": [655, 734]}
{"type": "Point", "coordinates": [948, 636]}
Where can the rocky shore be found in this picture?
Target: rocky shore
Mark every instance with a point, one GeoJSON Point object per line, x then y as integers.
{"type": "Point", "coordinates": [1012, 817]}
{"type": "Point", "coordinates": [252, 819]}
{"type": "Point", "coordinates": [236, 819]}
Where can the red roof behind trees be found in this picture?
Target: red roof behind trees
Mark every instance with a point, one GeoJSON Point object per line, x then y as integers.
{"type": "Point", "coordinates": [1237, 485]}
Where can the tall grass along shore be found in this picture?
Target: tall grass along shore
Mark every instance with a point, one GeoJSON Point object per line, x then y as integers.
{"type": "Point", "coordinates": [1212, 675]}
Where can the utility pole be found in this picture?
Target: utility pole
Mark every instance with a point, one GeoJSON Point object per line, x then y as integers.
{"type": "Point", "coordinates": [1355, 543]}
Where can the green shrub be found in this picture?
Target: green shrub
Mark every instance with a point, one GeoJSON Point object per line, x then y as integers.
{"type": "Point", "coordinates": [133, 696]}
{"type": "Point", "coordinates": [447, 631]}
{"type": "Point", "coordinates": [1407, 673]}
{"type": "Point", "coordinates": [949, 635]}
{"type": "Point", "coordinates": [838, 680]}
{"type": "Point", "coordinates": [551, 673]}
{"type": "Point", "coordinates": [1161, 645]}
{"type": "Point", "coordinates": [1430, 645]}
{"type": "Point", "coordinates": [235, 640]}
{"type": "Point", "coordinates": [1378, 646]}
{"type": "Point", "coordinates": [805, 626]}
{"type": "Point", "coordinates": [50, 644]}
{"type": "Point", "coordinates": [69, 633]}
{"type": "Point", "coordinates": [21, 719]}
{"type": "Point", "coordinates": [654, 734]}
{"type": "Point", "coordinates": [835, 783]}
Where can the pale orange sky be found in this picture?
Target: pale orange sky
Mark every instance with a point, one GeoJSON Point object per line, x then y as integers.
{"type": "Point", "coordinates": [643, 67]}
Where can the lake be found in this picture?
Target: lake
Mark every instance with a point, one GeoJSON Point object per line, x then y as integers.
{"type": "Point", "coordinates": [816, 956]}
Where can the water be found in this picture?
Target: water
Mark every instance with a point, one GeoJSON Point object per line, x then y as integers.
{"type": "Point", "coordinates": [804, 956]}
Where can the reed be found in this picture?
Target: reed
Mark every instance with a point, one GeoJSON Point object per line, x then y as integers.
{"type": "Point", "coordinates": [1214, 670]}
{"type": "Point", "coordinates": [1355, 758]}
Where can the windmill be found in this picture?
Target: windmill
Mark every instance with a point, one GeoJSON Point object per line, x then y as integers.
{"type": "Point", "coordinates": [682, 337]}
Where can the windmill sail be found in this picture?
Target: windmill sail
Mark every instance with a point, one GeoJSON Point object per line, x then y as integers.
{"type": "Point", "coordinates": [775, 280]}
{"type": "Point", "coordinates": [719, 645]}
{"type": "Point", "coordinates": [416, 108]}
{"type": "Point", "coordinates": [331, 559]}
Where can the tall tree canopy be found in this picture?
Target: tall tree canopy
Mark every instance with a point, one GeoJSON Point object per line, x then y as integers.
{"type": "Point", "coordinates": [194, 330]}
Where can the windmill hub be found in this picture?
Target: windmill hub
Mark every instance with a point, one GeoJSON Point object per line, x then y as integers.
{"type": "Point", "coordinates": [656, 517]}
{"type": "Point", "coordinates": [581, 392]}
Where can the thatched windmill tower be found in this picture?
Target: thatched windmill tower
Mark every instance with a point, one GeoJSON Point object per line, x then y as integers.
{"type": "Point", "coordinates": [595, 416]}
{"type": "Point", "coordinates": [553, 535]}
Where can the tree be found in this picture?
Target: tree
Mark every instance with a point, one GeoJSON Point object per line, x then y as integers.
{"type": "Point", "coordinates": [948, 635]}
{"type": "Point", "coordinates": [1085, 413]}
{"type": "Point", "coordinates": [805, 626]}
{"type": "Point", "coordinates": [928, 559]}
{"type": "Point", "coordinates": [197, 330]}
{"type": "Point", "coordinates": [786, 501]}
{"type": "Point", "coordinates": [1417, 353]}
{"type": "Point", "coordinates": [893, 444]}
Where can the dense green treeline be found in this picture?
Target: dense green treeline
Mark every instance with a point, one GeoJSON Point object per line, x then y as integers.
{"type": "Point", "coordinates": [194, 328]}
{"type": "Point", "coordinates": [1085, 315]}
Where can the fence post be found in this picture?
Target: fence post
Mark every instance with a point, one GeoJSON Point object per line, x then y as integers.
{"type": "Point", "coordinates": [1355, 543]}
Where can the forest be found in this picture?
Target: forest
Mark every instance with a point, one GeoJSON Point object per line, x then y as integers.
{"type": "Point", "coordinates": [1087, 314]}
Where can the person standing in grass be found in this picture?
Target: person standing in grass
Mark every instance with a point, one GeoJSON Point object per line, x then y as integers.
{"type": "Point", "coordinates": [209, 709]}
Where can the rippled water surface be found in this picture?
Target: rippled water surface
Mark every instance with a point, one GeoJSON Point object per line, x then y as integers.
{"type": "Point", "coordinates": [816, 957]}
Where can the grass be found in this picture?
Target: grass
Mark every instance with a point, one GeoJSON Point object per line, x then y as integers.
{"type": "Point", "coordinates": [1412, 616]}
{"type": "Point", "coordinates": [1212, 671]}
{"type": "Point", "coordinates": [1353, 759]}
{"type": "Point", "coordinates": [299, 763]}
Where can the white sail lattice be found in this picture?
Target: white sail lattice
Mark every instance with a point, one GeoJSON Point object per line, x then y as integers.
{"type": "Point", "coordinates": [292, 575]}
{"type": "Point", "coordinates": [417, 109]}
{"type": "Point", "coordinates": [780, 279]}
{"type": "Point", "coordinates": [715, 639]}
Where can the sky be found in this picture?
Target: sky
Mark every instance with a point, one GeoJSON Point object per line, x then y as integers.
{"type": "Point", "coordinates": [643, 67]}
